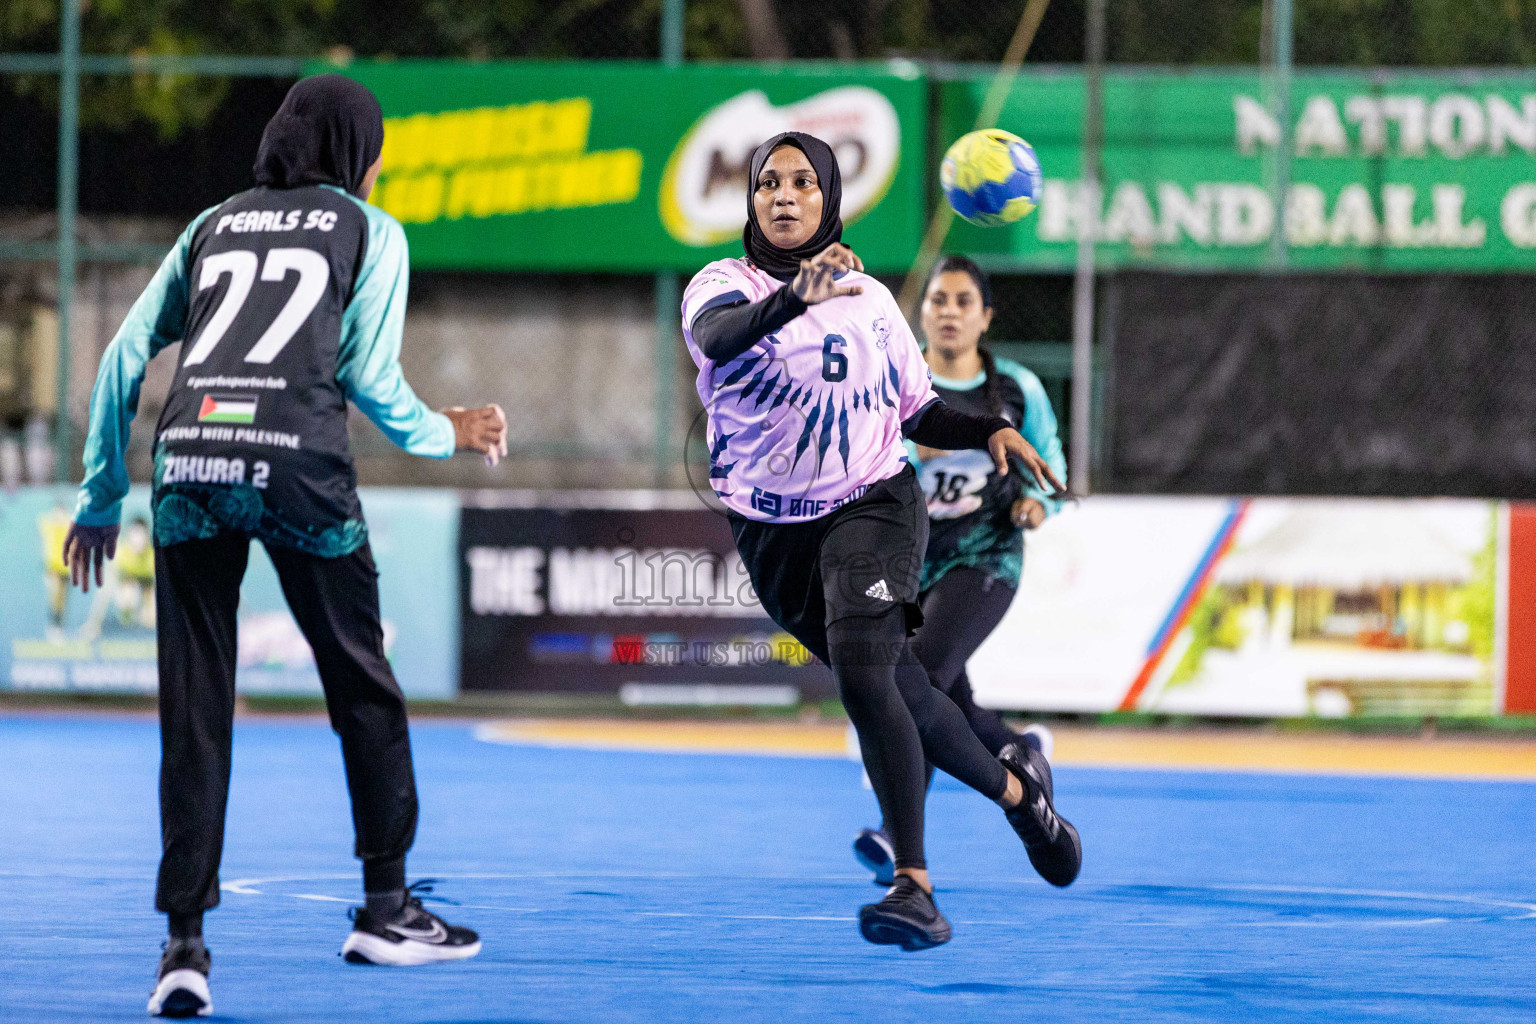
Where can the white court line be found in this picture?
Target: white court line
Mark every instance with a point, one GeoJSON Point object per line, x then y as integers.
{"type": "Point", "coordinates": [747, 917]}
{"type": "Point", "coordinates": [1527, 911]}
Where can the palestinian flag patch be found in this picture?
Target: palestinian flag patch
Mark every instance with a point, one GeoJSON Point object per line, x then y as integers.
{"type": "Point", "coordinates": [227, 409]}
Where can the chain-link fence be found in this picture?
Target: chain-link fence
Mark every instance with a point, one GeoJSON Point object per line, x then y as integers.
{"type": "Point", "coordinates": [159, 142]}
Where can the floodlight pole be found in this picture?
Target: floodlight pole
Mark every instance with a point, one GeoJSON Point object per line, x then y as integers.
{"type": "Point", "coordinates": [69, 173]}
{"type": "Point", "coordinates": [668, 314]}
{"type": "Point", "coordinates": [1087, 224]}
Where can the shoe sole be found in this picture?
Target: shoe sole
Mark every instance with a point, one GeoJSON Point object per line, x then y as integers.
{"type": "Point", "coordinates": [366, 948]}
{"type": "Point", "coordinates": [1063, 879]}
{"type": "Point", "coordinates": [875, 857]}
{"type": "Point", "coordinates": [885, 930]}
{"type": "Point", "coordinates": [181, 993]}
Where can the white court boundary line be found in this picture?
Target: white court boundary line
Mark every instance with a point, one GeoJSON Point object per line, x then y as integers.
{"type": "Point", "coordinates": [1526, 911]}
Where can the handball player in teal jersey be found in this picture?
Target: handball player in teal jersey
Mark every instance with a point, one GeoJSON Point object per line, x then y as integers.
{"type": "Point", "coordinates": [811, 379]}
{"type": "Point", "coordinates": [977, 518]}
{"type": "Point", "coordinates": [288, 301]}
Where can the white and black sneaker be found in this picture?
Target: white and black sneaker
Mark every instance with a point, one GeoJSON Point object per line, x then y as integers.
{"type": "Point", "coordinates": [181, 988]}
{"type": "Point", "coordinates": [414, 936]}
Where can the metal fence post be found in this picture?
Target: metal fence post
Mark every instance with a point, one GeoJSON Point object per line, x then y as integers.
{"type": "Point", "coordinates": [668, 314]}
{"type": "Point", "coordinates": [1282, 34]}
{"type": "Point", "coordinates": [1087, 228]}
{"type": "Point", "coordinates": [69, 170]}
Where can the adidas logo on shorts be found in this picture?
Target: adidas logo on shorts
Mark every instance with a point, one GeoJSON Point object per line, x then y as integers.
{"type": "Point", "coordinates": [880, 592]}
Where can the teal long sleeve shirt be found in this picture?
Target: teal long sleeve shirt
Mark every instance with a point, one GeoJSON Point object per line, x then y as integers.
{"type": "Point", "coordinates": [367, 365]}
{"type": "Point", "coordinates": [1039, 429]}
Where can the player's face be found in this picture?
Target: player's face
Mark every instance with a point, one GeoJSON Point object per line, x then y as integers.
{"type": "Point", "coordinates": [954, 317]}
{"type": "Point", "coordinates": [787, 198]}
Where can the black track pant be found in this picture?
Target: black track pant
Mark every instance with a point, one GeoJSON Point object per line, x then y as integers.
{"type": "Point", "coordinates": [336, 604]}
{"type": "Point", "coordinates": [959, 612]}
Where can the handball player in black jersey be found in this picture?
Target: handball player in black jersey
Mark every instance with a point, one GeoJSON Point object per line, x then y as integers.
{"type": "Point", "coordinates": [288, 301]}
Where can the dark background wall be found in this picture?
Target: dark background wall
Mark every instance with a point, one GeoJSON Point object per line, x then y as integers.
{"type": "Point", "coordinates": [1322, 384]}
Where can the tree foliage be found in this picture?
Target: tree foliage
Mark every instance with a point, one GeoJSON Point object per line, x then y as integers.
{"type": "Point", "coordinates": [1348, 32]}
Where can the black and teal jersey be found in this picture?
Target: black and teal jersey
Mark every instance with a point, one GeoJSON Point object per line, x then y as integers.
{"type": "Point", "coordinates": [288, 303]}
{"type": "Point", "coordinates": [969, 505]}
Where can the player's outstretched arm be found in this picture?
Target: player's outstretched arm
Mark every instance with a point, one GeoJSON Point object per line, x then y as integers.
{"type": "Point", "coordinates": [1009, 443]}
{"type": "Point", "coordinates": [482, 430]}
{"type": "Point", "coordinates": [936, 425]}
{"type": "Point", "coordinates": [724, 330]}
{"type": "Point", "coordinates": [368, 357]}
{"type": "Point", "coordinates": [817, 280]}
{"type": "Point", "coordinates": [158, 318]}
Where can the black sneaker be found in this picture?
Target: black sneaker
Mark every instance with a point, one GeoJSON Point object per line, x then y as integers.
{"type": "Point", "coordinates": [874, 850]}
{"type": "Point", "coordinates": [181, 988]}
{"type": "Point", "coordinates": [907, 917]}
{"type": "Point", "coordinates": [1052, 843]}
{"type": "Point", "coordinates": [413, 936]}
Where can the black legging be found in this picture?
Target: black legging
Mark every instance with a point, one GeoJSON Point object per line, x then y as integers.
{"type": "Point", "coordinates": [903, 726]}
{"type": "Point", "coordinates": [959, 612]}
{"type": "Point", "coordinates": [840, 585]}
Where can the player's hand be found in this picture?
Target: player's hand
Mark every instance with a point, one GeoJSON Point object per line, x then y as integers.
{"type": "Point", "coordinates": [1009, 443]}
{"type": "Point", "coordinates": [815, 281]}
{"type": "Point", "coordinates": [85, 548]}
{"type": "Point", "coordinates": [1028, 513]}
{"type": "Point", "coordinates": [482, 430]}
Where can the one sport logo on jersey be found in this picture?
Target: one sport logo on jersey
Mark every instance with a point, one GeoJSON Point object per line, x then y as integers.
{"type": "Point", "coordinates": [705, 179]}
{"type": "Point", "coordinates": [227, 409]}
{"type": "Point", "coordinates": [882, 332]}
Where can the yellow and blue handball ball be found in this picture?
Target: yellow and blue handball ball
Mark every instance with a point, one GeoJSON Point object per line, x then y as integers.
{"type": "Point", "coordinates": [991, 177]}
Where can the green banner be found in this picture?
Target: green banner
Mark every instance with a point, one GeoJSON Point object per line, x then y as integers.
{"type": "Point", "coordinates": [1400, 171]}
{"type": "Point", "coordinates": [619, 166]}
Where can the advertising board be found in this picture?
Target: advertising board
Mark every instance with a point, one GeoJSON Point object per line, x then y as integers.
{"type": "Point", "coordinates": [600, 599]}
{"type": "Point", "coordinates": [1391, 171]}
{"type": "Point", "coordinates": [56, 638]}
{"type": "Point", "coordinates": [631, 166]}
{"type": "Point", "coordinates": [1265, 607]}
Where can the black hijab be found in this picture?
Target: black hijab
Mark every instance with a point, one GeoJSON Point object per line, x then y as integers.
{"type": "Point", "coordinates": [784, 264]}
{"type": "Point", "coordinates": [328, 131]}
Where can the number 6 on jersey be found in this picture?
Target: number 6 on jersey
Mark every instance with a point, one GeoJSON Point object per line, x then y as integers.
{"type": "Point", "coordinates": [834, 365]}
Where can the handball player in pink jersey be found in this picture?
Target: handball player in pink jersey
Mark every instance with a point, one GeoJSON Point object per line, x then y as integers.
{"type": "Point", "coordinates": [812, 378]}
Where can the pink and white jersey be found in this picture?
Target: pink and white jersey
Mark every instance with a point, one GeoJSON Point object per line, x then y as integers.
{"type": "Point", "coordinates": [810, 417]}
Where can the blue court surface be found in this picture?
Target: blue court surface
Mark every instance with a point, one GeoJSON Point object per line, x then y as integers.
{"type": "Point", "coordinates": [614, 887]}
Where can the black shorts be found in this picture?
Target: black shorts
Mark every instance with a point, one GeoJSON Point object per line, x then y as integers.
{"type": "Point", "coordinates": [863, 559]}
